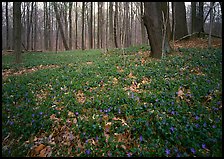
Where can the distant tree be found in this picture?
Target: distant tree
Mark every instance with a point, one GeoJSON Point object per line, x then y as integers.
{"type": "Point", "coordinates": [210, 25]}
{"type": "Point", "coordinates": [193, 17]}
{"type": "Point", "coordinates": [180, 19]}
{"type": "Point", "coordinates": [76, 25]}
{"type": "Point", "coordinates": [17, 30]}
{"type": "Point", "coordinates": [115, 24]}
{"type": "Point", "coordinates": [111, 37]}
{"type": "Point", "coordinates": [83, 25]}
{"type": "Point", "coordinates": [91, 26]}
{"type": "Point", "coordinates": [153, 23]}
{"type": "Point", "coordinates": [70, 25]}
{"type": "Point", "coordinates": [60, 26]}
{"type": "Point", "coordinates": [7, 26]}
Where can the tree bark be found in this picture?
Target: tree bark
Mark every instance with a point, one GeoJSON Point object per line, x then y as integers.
{"type": "Point", "coordinates": [17, 30]}
{"type": "Point", "coordinates": [115, 24]}
{"type": "Point", "coordinates": [180, 19]}
{"type": "Point", "coordinates": [83, 25]}
{"type": "Point", "coordinates": [35, 26]}
{"type": "Point", "coordinates": [60, 26]}
{"type": "Point", "coordinates": [111, 37]}
{"type": "Point", "coordinates": [7, 26]}
{"type": "Point", "coordinates": [193, 17]}
{"type": "Point", "coordinates": [70, 25]}
{"type": "Point", "coordinates": [210, 25]}
{"type": "Point", "coordinates": [153, 22]}
{"type": "Point", "coordinates": [76, 25]}
{"type": "Point", "coordinates": [91, 26]}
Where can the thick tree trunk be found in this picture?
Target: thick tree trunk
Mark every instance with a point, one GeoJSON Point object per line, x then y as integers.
{"type": "Point", "coordinates": [180, 19]}
{"type": "Point", "coordinates": [83, 25]}
{"type": "Point", "coordinates": [17, 30]}
{"type": "Point", "coordinates": [111, 37]}
{"type": "Point", "coordinates": [115, 24]}
{"type": "Point", "coordinates": [193, 17]}
{"type": "Point", "coordinates": [91, 26]}
{"type": "Point", "coordinates": [70, 25]}
{"type": "Point", "coordinates": [210, 25]}
{"type": "Point", "coordinates": [153, 22]}
{"type": "Point", "coordinates": [60, 26]}
{"type": "Point", "coordinates": [7, 26]}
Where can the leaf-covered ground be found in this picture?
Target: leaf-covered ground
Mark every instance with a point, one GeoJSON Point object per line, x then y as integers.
{"type": "Point", "coordinates": [96, 104]}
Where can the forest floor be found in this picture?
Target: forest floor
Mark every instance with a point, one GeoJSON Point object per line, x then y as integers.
{"type": "Point", "coordinates": [87, 103]}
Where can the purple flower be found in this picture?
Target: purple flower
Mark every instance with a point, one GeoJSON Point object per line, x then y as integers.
{"type": "Point", "coordinates": [203, 146]}
{"type": "Point", "coordinates": [33, 121]}
{"type": "Point", "coordinates": [108, 109]}
{"type": "Point", "coordinates": [132, 95]}
{"type": "Point", "coordinates": [213, 126]}
{"type": "Point", "coordinates": [105, 110]}
{"type": "Point", "coordinates": [84, 133]}
{"type": "Point", "coordinates": [172, 103]}
{"type": "Point", "coordinates": [204, 124]}
{"type": "Point", "coordinates": [156, 100]}
{"type": "Point", "coordinates": [32, 115]}
{"type": "Point", "coordinates": [140, 138]}
{"type": "Point", "coordinates": [41, 113]}
{"type": "Point", "coordinates": [129, 154]}
{"type": "Point", "coordinates": [219, 103]}
{"type": "Point", "coordinates": [76, 113]}
{"type": "Point", "coordinates": [172, 129]}
{"type": "Point", "coordinates": [96, 138]}
{"type": "Point", "coordinates": [11, 122]}
{"type": "Point", "coordinates": [173, 112]}
{"type": "Point", "coordinates": [197, 125]}
{"type": "Point", "coordinates": [167, 151]}
{"type": "Point", "coordinates": [88, 152]}
{"type": "Point", "coordinates": [193, 150]}
{"type": "Point", "coordinates": [196, 117]}
{"type": "Point", "coordinates": [100, 110]}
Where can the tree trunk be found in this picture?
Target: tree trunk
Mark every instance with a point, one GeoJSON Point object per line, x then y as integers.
{"type": "Point", "coordinates": [28, 27]}
{"type": "Point", "coordinates": [65, 20]}
{"type": "Point", "coordinates": [193, 17]}
{"type": "Point", "coordinates": [111, 37]}
{"type": "Point", "coordinates": [91, 26]}
{"type": "Point", "coordinates": [115, 25]}
{"type": "Point", "coordinates": [76, 25]}
{"type": "Point", "coordinates": [35, 27]}
{"type": "Point", "coordinates": [180, 19]}
{"type": "Point", "coordinates": [17, 30]}
{"type": "Point", "coordinates": [201, 17]}
{"type": "Point", "coordinates": [46, 38]}
{"type": "Point", "coordinates": [126, 19]}
{"type": "Point", "coordinates": [210, 25]}
{"type": "Point", "coordinates": [70, 25]}
{"type": "Point", "coordinates": [153, 22]}
{"type": "Point", "coordinates": [7, 26]}
{"type": "Point", "coordinates": [60, 26]}
{"type": "Point", "coordinates": [83, 25]}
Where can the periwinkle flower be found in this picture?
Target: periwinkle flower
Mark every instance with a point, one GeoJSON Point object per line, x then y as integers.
{"type": "Point", "coordinates": [193, 150]}
{"type": "Point", "coordinates": [172, 103]}
{"type": "Point", "coordinates": [41, 113]}
{"type": "Point", "coordinates": [129, 154]}
{"type": "Point", "coordinates": [88, 152]}
{"type": "Point", "coordinates": [173, 112]}
{"type": "Point", "coordinates": [132, 95]}
{"type": "Point", "coordinates": [76, 113]}
{"type": "Point", "coordinates": [203, 146]}
{"type": "Point", "coordinates": [141, 138]}
{"type": "Point", "coordinates": [213, 126]}
{"type": "Point", "coordinates": [119, 111]}
{"type": "Point", "coordinates": [196, 117]}
{"type": "Point", "coordinates": [197, 125]}
{"type": "Point", "coordinates": [11, 122]}
{"type": "Point", "coordinates": [33, 115]}
{"type": "Point", "coordinates": [100, 110]}
{"type": "Point", "coordinates": [219, 103]}
{"type": "Point", "coordinates": [204, 124]}
{"type": "Point", "coordinates": [172, 129]}
{"type": "Point", "coordinates": [167, 151]}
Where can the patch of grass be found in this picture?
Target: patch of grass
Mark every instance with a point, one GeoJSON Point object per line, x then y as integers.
{"type": "Point", "coordinates": [168, 107]}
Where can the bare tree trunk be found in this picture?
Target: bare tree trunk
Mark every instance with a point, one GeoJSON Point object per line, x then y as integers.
{"type": "Point", "coordinates": [111, 37]}
{"type": "Point", "coordinates": [7, 26]}
{"type": "Point", "coordinates": [35, 26]}
{"type": "Point", "coordinates": [180, 18]}
{"type": "Point", "coordinates": [60, 26]}
{"type": "Point", "coordinates": [210, 25]}
{"type": "Point", "coordinates": [76, 25]}
{"type": "Point", "coordinates": [49, 28]}
{"type": "Point", "coordinates": [91, 26]}
{"type": "Point", "coordinates": [193, 17]}
{"type": "Point", "coordinates": [65, 20]}
{"type": "Point", "coordinates": [83, 25]}
{"type": "Point", "coordinates": [28, 26]}
{"type": "Point", "coordinates": [201, 17]}
{"type": "Point", "coordinates": [31, 25]}
{"type": "Point", "coordinates": [126, 43]}
{"type": "Point", "coordinates": [142, 24]}
{"type": "Point", "coordinates": [46, 36]}
{"type": "Point", "coordinates": [115, 24]}
{"type": "Point", "coordinates": [153, 22]}
{"type": "Point", "coordinates": [70, 25]}
{"type": "Point", "coordinates": [17, 30]}
{"type": "Point", "coordinates": [98, 27]}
